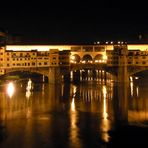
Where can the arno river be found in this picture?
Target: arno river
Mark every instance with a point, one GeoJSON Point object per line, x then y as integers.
{"type": "Point", "coordinates": [70, 115]}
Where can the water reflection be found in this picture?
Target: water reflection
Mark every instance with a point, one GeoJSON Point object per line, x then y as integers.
{"type": "Point", "coordinates": [105, 122]}
{"type": "Point", "coordinates": [29, 88]}
{"type": "Point", "coordinates": [74, 130]}
{"type": "Point", "coordinates": [69, 115]}
{"type": "Point", "coordinates": [10, 89]}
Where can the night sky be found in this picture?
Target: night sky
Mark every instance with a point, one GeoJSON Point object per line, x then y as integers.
{"type": "Point", "coordinates": [75, 21]}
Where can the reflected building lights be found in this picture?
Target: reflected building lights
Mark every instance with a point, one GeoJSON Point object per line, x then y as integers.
{"type": "Point", "coordinates": [10, 89]}
{"type": "Point", "coordinates": [28, 88]}
{"type": "Point", "coordinates": [73, 117]}
{"type": "Point", "coordinates": [132, 88]}
{"type": "Point", "coordinates": [73, 98]}
{"type": "Point", "coordinates": [73, 105]}
{"type": "Point", "coordinates": [28, 94]}
{"type": "Point", "coordinates": [71, 75]}
{"type": "Point", "coordinates": [105, 122]}
{"type": "Point", "coordinates": [137, 91]}
{"type": "Point", "coordinates": [74, 91]}
{"type": "Point", "coordinates": [29, 85]}
{"type": "Point", "coordinates": [104, 103]}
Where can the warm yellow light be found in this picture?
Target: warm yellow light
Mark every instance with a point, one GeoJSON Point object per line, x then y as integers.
{"type": "Point", "coordinates": [104, 57]}
{"type": "Point", "coordinates": [83, 62]}
{"type": "Point", "coordinates": [10, 89]}
{"type": "Point", "coordinates": [29, 85]}
{"type": "Point", "coordinates": [137, 91]}
{"type": "Point", "coordinates": [73, 105]}
{"type": "Point", "coordinates": [104, 103]}
{"type": "Point", "coordinates": [37, 47]}
{"type": "Point", "coordinates": [72, 57]}
{"type": "Point", "coordinates": [132, 88]}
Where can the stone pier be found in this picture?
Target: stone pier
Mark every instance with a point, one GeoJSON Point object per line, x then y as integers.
{"type": "Point", "coordinates": [54, 75]}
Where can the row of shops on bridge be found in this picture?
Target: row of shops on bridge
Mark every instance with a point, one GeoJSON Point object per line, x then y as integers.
{"type": "Point", "coordinates": [36, 56]}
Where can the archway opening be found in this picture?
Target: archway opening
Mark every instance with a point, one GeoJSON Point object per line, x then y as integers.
{"type": "Point", "coordinates": [75, 58]}
{"type": "Point", "coordinates": [87, 59]}
{"type": "Point", "coordinates": [22, 76]}
{"type": "Point", "coordinates": [98, 58]}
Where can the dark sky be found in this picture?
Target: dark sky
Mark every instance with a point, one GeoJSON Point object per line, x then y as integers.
{"type": "Point", "coordinates": [75, 21]}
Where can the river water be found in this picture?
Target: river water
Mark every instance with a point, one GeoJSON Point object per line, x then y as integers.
{"type": "Point", "coordinates": [69, 115]}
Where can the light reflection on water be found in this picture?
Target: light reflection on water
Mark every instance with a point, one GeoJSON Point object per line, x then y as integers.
{"type": "Point", "coordinates": [10, 89]}
{"type": "Point", "coordinates": [70, 115]}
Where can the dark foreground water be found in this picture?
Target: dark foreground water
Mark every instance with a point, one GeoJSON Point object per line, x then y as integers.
{"type": "Point", "coordinates": [88, 115]}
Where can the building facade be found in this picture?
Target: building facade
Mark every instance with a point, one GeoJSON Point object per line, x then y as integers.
{"type": "Point", "coordinates": [37, 56]}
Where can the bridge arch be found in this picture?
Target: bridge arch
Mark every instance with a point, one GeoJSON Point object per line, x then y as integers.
{"type": "Point", "coordinates": [87, 58]}
{"type": "Point", "coordinates": [31, 71]}
{"type": "Point", "coordinates": [75, 58]}
{"type": "Point", "coordinates": [138, 71]}
{"type": "Point", "coordinates": [98, 58]}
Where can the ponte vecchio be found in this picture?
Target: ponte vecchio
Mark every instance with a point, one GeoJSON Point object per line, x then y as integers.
{"type": "Point", "coordinates": [122, 60]}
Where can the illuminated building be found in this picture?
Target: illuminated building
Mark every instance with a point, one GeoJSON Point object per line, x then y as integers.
{"type": "Point", "coordinates": [71, 57]}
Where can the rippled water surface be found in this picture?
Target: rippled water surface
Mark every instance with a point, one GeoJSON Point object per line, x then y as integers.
{"type": "Point", "coordinates": [68, 115]}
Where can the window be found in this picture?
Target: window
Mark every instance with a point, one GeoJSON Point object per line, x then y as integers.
{"type": "Point", "coordinates": [76, 48]}
{"type": "Point", "coordinates": [143, 62]}
{"type": "Point", "coordinates": [143, 57]}
{"type": "Point", "coordinates": [33, 63]}
{"type": "Point", "coordinates": [99, 49]}
{"type": "Point", "coordinates": [88, 48]}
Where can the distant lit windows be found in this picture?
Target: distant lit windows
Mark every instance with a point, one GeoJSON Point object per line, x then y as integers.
{"type": "Point", "coordinates": [21, 54]}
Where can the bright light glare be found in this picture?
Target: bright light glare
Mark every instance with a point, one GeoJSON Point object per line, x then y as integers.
{"type": "Point", "coordinates": [73, 105]}
{"type": "Point", "coordinates": [10, 89]}
{"type": "Point", "coordinates": [29, 85]}
{"type": "Point", "coordinates": [104, 57]}
{"type": "Point", "coordinates": [72, 57]}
